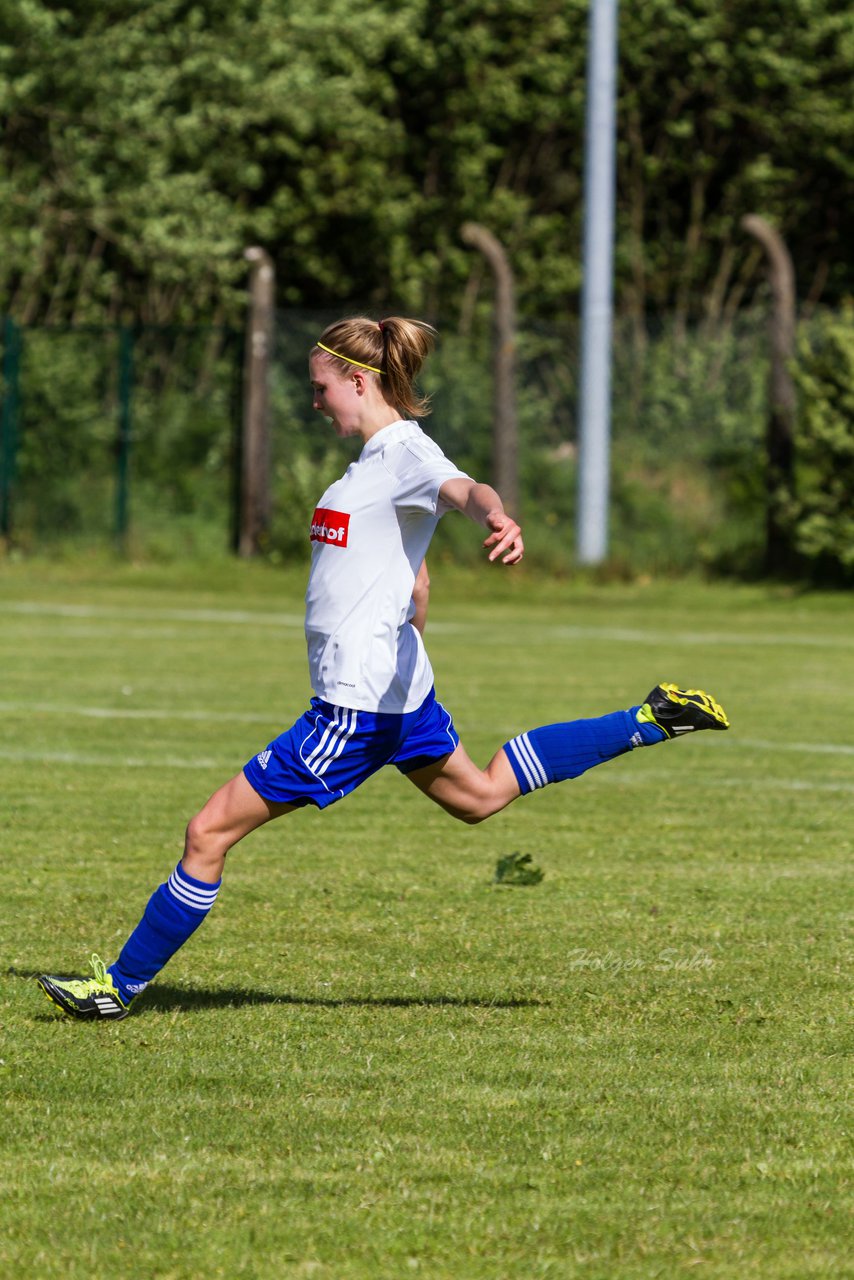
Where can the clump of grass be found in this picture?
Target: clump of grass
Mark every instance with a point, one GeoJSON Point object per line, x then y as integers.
{"type": "Point", "coordinates": [517, 869]}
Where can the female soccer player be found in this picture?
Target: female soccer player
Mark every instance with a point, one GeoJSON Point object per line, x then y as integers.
{"type": "Point", "coordinates": [374, 702]}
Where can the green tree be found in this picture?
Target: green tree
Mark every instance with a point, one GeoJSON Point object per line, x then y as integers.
{"type": "Point", "coordinates": [820, 510]}
{"type": "Point", "coordinates": [727, 109]}
{"type": "Point", "coordinates": [147, 142]}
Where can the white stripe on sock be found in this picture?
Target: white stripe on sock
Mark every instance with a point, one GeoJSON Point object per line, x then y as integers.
{"type": "Point", "coordinates": [534, 763]}
{"type": "Point", "coordinates": [511, 746]}
{"type": "Point", "coordinates": [528, 762]}
{"type": "Point", "coordinates": [190, 895]}
{"type": "Point", "coordinates": [201, 891]}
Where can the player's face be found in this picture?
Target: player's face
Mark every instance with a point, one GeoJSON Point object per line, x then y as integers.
{"type": "Point", "coordinates": [336, 397]}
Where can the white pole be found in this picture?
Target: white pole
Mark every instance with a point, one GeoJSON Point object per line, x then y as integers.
{"type": "Point", "coordinates": [595, 400]}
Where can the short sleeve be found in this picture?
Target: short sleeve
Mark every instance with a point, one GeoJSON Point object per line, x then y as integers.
{"type": "Point", "coordinates": [419, 473]}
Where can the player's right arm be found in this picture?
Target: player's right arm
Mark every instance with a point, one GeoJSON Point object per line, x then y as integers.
{"type": "Point", "coordinates": [482, 504]}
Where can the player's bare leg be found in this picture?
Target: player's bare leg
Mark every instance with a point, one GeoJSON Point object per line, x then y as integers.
{"type": "Point", "coordinates": [558, 752]}
{"type": "Point", "coordinates": [175, 909]}
{"type": "Point", "coordinates": [230, 814]}
{"type": "Point", "coordinates": [465, 791]}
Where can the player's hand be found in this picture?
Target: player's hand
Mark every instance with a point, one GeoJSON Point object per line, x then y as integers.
{"type": "Point", "coordinates": [505, 540]}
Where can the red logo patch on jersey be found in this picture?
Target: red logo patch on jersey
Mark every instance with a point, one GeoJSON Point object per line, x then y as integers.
{"type": "Point", "coordinates": [330, 526]}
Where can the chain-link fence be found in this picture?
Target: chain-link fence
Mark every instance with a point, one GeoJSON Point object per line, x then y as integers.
{"type": "Point", "coordinates": [132, 435]}
{"type": "Point", "coordinates": [119, 434]}
{"type": "Point", "coordinates": [688, 422]}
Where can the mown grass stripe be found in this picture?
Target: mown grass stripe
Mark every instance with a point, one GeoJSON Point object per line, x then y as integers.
{"type": "Point", "coordinates": [261, 717]}
{"type": "Point", "coordinates": [84, 760]}
{"type": "Point", "coordinates": [133, 713]}
{"type": "Point", "coordinates": [235, 617]}
{"type": "Point", "coordinates": [533, 635]}
{"type": "Point", "coordinates": [80, 759]}
{"type": "Point", "coordinates": [393, 1065]}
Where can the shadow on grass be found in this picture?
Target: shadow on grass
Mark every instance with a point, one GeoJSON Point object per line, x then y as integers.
{"type": "Point", "coordinates": [164, 998]}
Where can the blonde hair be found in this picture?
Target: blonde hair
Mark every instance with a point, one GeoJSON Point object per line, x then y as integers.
{"type": "Point", "coordinates": [394, 349]}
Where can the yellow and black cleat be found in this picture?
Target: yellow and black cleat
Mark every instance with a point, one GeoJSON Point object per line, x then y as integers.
{"type": "Point", "coordinates": [96, 997]}
{"type": "Point", "coordinates": [677, 711]}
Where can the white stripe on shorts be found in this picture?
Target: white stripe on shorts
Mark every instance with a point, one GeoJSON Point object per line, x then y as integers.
{"type": "Point", "coordinates": [529, 762]}
{"type": "Point", "coordinates": [333, 741]}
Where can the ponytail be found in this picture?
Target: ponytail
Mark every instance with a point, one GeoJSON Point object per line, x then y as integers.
{"type": "Point", "coordinates": [393, 349]}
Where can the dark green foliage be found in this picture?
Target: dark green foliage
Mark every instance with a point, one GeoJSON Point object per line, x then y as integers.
{"type": "Point", "coordinates": [687, 483]}
{"type": "Point", "coordinates": [182, 400]}
{"type": "Point", "coordinates": [820, 510]}
{"type": "Point", "coordinates": [66, 432]}
{"type": "Point", "coordinates": [146, 144]}
{"type": "Point", "coordinates": [687, 465]}
{"type": "Point", "coordinates": [727, 109]}
{"type": "Point", "coordinates": [517, 869]}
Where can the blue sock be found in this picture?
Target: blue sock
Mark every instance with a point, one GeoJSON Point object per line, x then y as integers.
{"type": "Point", "coordinates": [556, 752]}
{"type": "Point", "coordinates": [173, 913]}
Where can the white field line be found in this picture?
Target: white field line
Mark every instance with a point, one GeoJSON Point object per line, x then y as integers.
{"type": "Point", "coordinates": [254, 717]}
{"type": "Point", "coordinates": [235, 617]}
{"type": "Point", "coordinates": [80, 760]}
{"type": "Point", "coordinates": [712, 639]}
{"type": "Point", "coordinates": [618, 777]}
{"type": "Point", "coordinates": [135, 713]}
{"type": "Point", "coordinates": [618, 635]}
{"type": "Point", "coordinates": [808, 748]}
{"type": "Point", "coordinates": [680, 784]}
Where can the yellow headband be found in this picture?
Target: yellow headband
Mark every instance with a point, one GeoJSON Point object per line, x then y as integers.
{"type": "Point", "coordinates": [338, 356]}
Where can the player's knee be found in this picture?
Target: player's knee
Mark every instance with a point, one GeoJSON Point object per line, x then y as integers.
{"type": "Point", "coordinates": [208, 867]}
{"type": "Point", "coordinates": [194, 837]}
{"type": "Point", "coordinates": [202, 844]}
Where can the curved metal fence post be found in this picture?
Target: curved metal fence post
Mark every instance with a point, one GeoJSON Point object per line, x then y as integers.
{"type": "Point", "coordinates": [256, 503]}
{"type": "Point", "coordinates": [780, 428]}
{"type": "Point", "coordinates": [234, 345]}
{"type": "Point", "coordinates": [505, 440]}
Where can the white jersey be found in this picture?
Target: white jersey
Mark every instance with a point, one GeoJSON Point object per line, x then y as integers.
{"type": "Point", "coordinates": [370, 533]}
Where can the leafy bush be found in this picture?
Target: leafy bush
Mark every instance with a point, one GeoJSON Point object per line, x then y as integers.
{"type": "Point", "coordinates": [819, 510]}
{"type": "Point", "coordinates": [181, 396]}
{"type": "Point", "coordinates": [687, 486]}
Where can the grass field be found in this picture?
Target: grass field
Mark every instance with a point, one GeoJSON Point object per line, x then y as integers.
{"type": "Point", "coordinates": [372, 1062]}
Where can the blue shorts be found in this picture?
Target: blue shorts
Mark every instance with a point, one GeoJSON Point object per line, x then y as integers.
{"type": "Point", "coordinates": [332, 750]}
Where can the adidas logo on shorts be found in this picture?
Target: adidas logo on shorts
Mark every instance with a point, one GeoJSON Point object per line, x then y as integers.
{"type": "Point", "coordinates": [263, 758]}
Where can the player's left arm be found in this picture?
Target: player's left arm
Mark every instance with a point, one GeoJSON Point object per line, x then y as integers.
{"type": "Point", "coordinates": [421, 598]}
{"type": "Point", "coordinates": [482, 504]}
